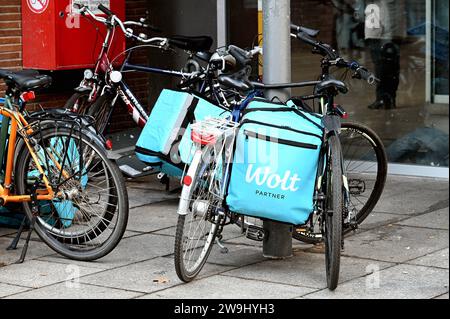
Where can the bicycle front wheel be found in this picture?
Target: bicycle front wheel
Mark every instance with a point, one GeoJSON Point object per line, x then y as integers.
{"type": "Point", "coordinates": [99, 110]}
{"type": "Point", "coordinates": [88, 216]}
{"type": "Point", "coordinates": [333, 212]}
{"type": "Point", "coordinates": [199, 220]}
{"type": "Point", "coordinates": [366, 166]}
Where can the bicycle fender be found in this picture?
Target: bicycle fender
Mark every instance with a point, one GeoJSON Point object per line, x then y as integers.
{"type": "Point", "coordinates": [62, 118]}
{"type": "Point", "coordinates": [183, 207]}
{"type": "Point", "coordinates": [83, 89]}
{"type": "Point", "coordinates": [332, 124]}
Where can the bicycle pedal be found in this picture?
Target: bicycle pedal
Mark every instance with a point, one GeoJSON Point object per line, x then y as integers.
{"type": "Point", "coordinates": [255, 233]}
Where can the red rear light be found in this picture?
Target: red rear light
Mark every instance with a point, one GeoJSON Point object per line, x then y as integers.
{"type": "Point", "coordinates": [203, 139]}
{"type": "Point", "coordinates": [28, 96]}
{"type": "Point", "coordinates": [187, 180]}
{"type": "Point", "coordinates": [109, 145]}
{"type": "Point", "coordinates": [345, 116]}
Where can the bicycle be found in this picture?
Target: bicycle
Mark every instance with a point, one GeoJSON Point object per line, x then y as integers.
{"type": "Point", "coordinates": [100, 89]}
{"type": "Point", "coordinates": [207, 178]}
{"type": "Point", "coordinates": [363, 151]}
{"type": "Point", "coordinates": [56, 167]}
{"type": "Point", "coordinates": [364, 154]}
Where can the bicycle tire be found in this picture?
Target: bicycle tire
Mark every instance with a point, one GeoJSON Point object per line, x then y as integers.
{"type": "Point", "coordinates": [333, 222]}
{"type": "Point", "coordinates": [100, 111]}
{"type": "Point", "coordinates": [73, 247]}
{"type": "Point", "coordinates": [372, 139]}
{"type": "Point", "coordinates": [197, 170]}
{"type": "Point", "coordinates": [381, 167]}
{"type": "Point", "coordinates": [79, 98]}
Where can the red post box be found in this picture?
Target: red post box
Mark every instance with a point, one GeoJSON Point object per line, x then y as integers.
{"type": "Point", "coordinates": [56, 38]}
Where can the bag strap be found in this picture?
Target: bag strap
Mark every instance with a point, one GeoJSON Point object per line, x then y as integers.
{"type": "Point", "coordinates": [189, 119]}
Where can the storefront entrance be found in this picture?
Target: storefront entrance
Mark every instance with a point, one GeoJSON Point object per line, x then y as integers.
{"type": "Point", "coordinates": [406, 44]}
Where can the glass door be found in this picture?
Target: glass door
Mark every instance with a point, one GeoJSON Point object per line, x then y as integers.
{"type": "Point", "coordinates": [438, 45]}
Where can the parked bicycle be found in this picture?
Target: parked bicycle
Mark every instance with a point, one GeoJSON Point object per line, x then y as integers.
{"type": "Point", "coordinates": [102, 88]}
{"type": "Point", "coordinates": [363, 151]}
{"type": "Point", "coordinates": [365, 159]}
{"type": "Point", "coordinates": [54, 164]}
{"type": "Point", "coordinates": [222, 184]}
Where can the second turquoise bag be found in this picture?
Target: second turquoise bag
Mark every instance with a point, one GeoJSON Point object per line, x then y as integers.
{"type": "Point", "coordinates": [165, 141]}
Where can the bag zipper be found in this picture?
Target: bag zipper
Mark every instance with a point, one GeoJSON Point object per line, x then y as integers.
{"type": "Point", "coordinates": [279, 140]}
{"type": "Point", "coordinates": [281, 127]}
{"type": "Point", "coordinates": [283, 109]}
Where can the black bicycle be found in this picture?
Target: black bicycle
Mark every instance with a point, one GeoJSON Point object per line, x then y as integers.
{"type": "Point", "coordinates": [364, 156]}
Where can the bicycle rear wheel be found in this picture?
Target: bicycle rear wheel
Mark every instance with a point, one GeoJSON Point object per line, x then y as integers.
{"type": "Point", "coordinates": [88, 218]}
{"type": "Point", "coordinates": [199, 220]}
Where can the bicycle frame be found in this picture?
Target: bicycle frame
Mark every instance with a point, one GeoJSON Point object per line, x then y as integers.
{"type": "Point", "coordinates": [19, 124]}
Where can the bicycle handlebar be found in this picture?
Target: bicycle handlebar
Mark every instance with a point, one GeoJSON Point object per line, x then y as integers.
{"type": "Point", "coordinates": [105, 10]}
{"type": "Point", "coordinates": [310, 32]}
{"type": "Point", "coordinates": [114, 20]}
{"type": "Point", "coordinates": [362, 72]}
{"type": "Point", "coordinates": [326, 50]}
{"type": "Point", "coordinates": [244, 57]}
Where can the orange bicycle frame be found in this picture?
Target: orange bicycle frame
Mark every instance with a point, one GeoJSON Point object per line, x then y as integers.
{"type": "Point", "coordinates": [18, 123]}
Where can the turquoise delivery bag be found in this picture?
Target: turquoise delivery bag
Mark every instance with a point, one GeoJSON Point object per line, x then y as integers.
{"type": "Point", "coordinates": [275, 164]}
{"type": "Point", "coordinates": [165, 141]}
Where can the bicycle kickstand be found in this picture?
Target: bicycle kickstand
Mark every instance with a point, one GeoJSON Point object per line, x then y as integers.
{"type": "Point", "coordinates": [15, 242]}
{"type": "Point", "coordinates": [27, 241]}
{"type": "Point", "coordinates": [35, 212]}
{"type": "Point", "coordinates": [223, 248]}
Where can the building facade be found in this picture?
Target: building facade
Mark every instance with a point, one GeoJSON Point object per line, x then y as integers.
{"type": "Point", "coordinates": [404, 42]}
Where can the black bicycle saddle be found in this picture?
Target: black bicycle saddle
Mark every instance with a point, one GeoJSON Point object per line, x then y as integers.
{"type": "Point", "coordinates": [234, 83]}
{"type": "Point", "coordinates": [196, 44]}
{"type": "Point", "coordinates": [25, 80]}
{"type": "Point", "coordinates": [331, 83]}
{"type": "Point", "coordinates": [204, 55]}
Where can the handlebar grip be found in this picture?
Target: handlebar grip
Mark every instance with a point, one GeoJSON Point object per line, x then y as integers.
{"type": "Point", "coordinates": [105, 10]}
{"type": "Point", "coordinates": [241, 55]}
{"type": "Point", "coordinates": [78, 6]}
{"type": "Point", "coordinates": [308, 31]}
{"type": "Point", "coordinates": [366, 75]}
{"type": "Point", "coordinates": [305, 38]}
{"type": "Point", "coordinates": [295, 28]}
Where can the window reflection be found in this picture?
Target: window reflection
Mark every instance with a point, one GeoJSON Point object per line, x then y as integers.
{"type": "Point", "coordinates": [390, 38]}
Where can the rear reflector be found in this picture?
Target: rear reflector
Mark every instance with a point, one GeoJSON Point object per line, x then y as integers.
{"type": "Point", "coordinates": [187, 180]}
{"type": "Point", "coordinates": [28, 96]}
{"type": "Point", "coordinates": [109, 145]}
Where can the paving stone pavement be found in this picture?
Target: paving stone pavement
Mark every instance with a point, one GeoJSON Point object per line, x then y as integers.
{"type": "Point", "coordinates": [401, 251]}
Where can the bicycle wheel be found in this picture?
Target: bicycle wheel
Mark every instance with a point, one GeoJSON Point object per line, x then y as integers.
{"type": "Point", "coordinates": [78, 103]}
{"type": "Point", "coordinates": [199, 220]}
{"type": "Point", "coordinates": [332, 214]}
{"type": "Point", "coordinates": [88, 216]}
{"type": "Point", "coordinates": [100, 112]}
{"type": "Point", "coordinates": [366, 166]}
